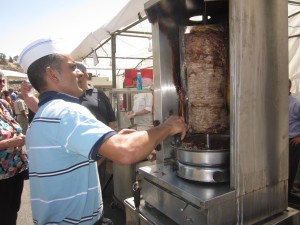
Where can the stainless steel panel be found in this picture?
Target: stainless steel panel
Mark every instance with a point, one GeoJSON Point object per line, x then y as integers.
{"type": "Point", "coordinates": [145, 221]}
{"type": "Point", "coordinates": [289, 217]}
{"type": "Point", "coordinates": [259, 105]}
{"type": "Point", "coordinates": [132, 215]}
{"type": "Point", "coordinates": [259, 82]}
{"type": "Point", "coordinates": [203, 157]}
{"type": "Point", "coordinates": [185, 213]}
{"type": "Point", "coordinates": [203, 174]}
{"type": "Point", "coordinates": [174, 207]}
{"type": "Point", "coordinates": [269, 201]}
{"type": "Point", "coordinates": [146, 215]}
{"type": "Point", "coordinates": [165, 97]}
{"type": "Point", "coordinates": [197, 193]}
{"type": "Point", "coordinates": [263, 203]}
{"type": "Point", "coordinates": [124, 176]}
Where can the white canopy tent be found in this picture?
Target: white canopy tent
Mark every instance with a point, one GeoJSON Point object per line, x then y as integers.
{"type": "Point", "coordinates": [131, 13]}
{"type": "Point", "coordinates": [13, 78]}
{"type": "Point", "coordinates": [124, 42]}
{"type": "Point", "coordinates": [14, 74]}
{"type": "Point", "coordinates": [131, 52]}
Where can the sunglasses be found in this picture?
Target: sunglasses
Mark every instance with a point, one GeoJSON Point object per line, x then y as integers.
{"type": "Point", "coordinates": [2, 81]}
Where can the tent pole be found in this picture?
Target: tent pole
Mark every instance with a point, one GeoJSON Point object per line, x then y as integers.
{"type": "Point", "coordinates": [113, 59]}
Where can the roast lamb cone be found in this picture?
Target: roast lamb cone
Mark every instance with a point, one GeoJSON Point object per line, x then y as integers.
{"type": "Point", "coordinates": [206, 61]}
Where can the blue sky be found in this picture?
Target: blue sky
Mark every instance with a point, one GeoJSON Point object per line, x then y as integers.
{"type": "Point", "coordinates": [23, 21]}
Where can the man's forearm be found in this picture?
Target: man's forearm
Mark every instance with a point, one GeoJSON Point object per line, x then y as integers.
{"type": "Point", "coordinates": [32, 103]}
{"type": "Point", "coordinates": [133, 147]}
{"type": "Point", "coordinates": [142, 112]}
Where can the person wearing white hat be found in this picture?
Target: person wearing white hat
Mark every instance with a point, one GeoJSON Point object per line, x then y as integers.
{"type": "Point", "coordinates": [64, 140]}
{"type": "Point", "coordinates": [95, 100]}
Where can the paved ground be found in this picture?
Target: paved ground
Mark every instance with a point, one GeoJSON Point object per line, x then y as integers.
{"type": "Point", "coordinates": [24, 217]}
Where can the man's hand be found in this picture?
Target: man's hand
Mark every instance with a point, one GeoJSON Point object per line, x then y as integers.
{"type": "Point", "coordinates": [130, 114]}
{"type": "Point", "coordinates": [295, 140]}
{"type": "Point", "coordinates": [177, 125]}
{"type": "Point", "coordinates": [25, 88]}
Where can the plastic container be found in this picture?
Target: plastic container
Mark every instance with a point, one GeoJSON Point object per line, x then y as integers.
{"type": "Point", "coordinates": [139, 80]}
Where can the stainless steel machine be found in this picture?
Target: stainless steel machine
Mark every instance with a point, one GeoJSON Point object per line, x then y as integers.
{"type": "Point", "coordinates": [239, 175]}
{"type": "Point", "coordinates": [124, 175]}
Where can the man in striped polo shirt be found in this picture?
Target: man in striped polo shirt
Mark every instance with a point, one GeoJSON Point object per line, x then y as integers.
{"type": "Point", "coordinates": [64, 140]}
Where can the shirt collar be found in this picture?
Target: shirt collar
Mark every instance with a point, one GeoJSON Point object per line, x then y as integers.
{"type": "Point", "coordinates": [90, 86]}
{"type": "Point", "coordinates": [89, 90]}
{"type": "Point", "coordinates": [52, 95]}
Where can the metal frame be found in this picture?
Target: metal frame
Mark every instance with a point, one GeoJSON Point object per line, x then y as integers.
{"type": "Point", "coordinates": [112, 38]}
{"type": "Point", "coordinates": [258, 125]}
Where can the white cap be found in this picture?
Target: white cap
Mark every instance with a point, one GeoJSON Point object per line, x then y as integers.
{"type": "Point", "coordinates": [39, 49]}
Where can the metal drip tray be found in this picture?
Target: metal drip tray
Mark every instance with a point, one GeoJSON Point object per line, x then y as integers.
{"type": "Point", "coordinates": [203, 157]}
{"type": "Point", "coordinates": [204, 150]}
{"type": "Point", "coordinates": [203, 174]}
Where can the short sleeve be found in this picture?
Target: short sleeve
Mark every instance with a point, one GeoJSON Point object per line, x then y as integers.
{"type": "Point", "coordinates": [80, 131]}
{"type": "Point", "coordinates": [149, 101]}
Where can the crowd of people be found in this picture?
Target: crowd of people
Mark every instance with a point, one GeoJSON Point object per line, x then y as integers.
{"type": "Point", "coordinates": [18, 106]}
{"type": "Point", "coordinates": [13, 159]}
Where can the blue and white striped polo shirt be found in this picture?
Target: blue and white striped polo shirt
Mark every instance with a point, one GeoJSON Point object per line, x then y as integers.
{"type": "Point", "coordinates": [62, 144]}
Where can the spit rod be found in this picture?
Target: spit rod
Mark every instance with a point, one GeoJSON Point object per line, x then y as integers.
{"type": "Point", "coordinates": [207, 141]}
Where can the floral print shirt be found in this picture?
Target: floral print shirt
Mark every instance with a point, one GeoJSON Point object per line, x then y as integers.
{"type": "Point", "coordinates": [14, 159]}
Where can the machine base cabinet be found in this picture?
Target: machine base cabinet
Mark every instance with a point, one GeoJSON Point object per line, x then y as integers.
{"type": "Point", "coordinates": [163, 202]}
{"type": "Point", "coordinates": [147, 215]}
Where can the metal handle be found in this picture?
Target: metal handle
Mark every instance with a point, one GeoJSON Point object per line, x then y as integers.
{"type": "Point", "coordinates": [182, 209]}
{"type": "Point", "coordinates": [156, 123]}
{"type": "Point", "coordinates": [136, 194]}
{"type": "Point", "coordinates": [177, 139]}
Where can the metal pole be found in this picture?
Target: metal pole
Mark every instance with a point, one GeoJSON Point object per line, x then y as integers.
{"type": "Point", "coordinates": [113, 59]}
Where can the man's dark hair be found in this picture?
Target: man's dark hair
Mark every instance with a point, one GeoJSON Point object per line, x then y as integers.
{"type": "Point", "coordinates": [36, 71]}
{"type": "Point", "coordinates": [81, 67]}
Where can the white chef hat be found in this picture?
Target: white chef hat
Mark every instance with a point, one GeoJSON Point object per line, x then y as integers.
{"type": "Point", "coordinates": [39, 49]}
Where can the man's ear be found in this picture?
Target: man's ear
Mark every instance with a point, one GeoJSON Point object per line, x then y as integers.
{"type": "Point", "coordinates": [52, 74]}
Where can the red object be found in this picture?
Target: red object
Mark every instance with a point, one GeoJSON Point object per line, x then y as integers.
{"type": "Point", "coordinates": [130, 76]}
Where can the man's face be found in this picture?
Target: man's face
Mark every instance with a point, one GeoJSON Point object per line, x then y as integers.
{"type": "Point", "coordinates": [68, 81]}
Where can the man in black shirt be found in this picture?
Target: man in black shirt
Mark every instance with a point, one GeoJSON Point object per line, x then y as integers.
{"type": "Point", "coordinates": [95, 100]}
{"type": "Point", "coordinates": [99, 105]}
